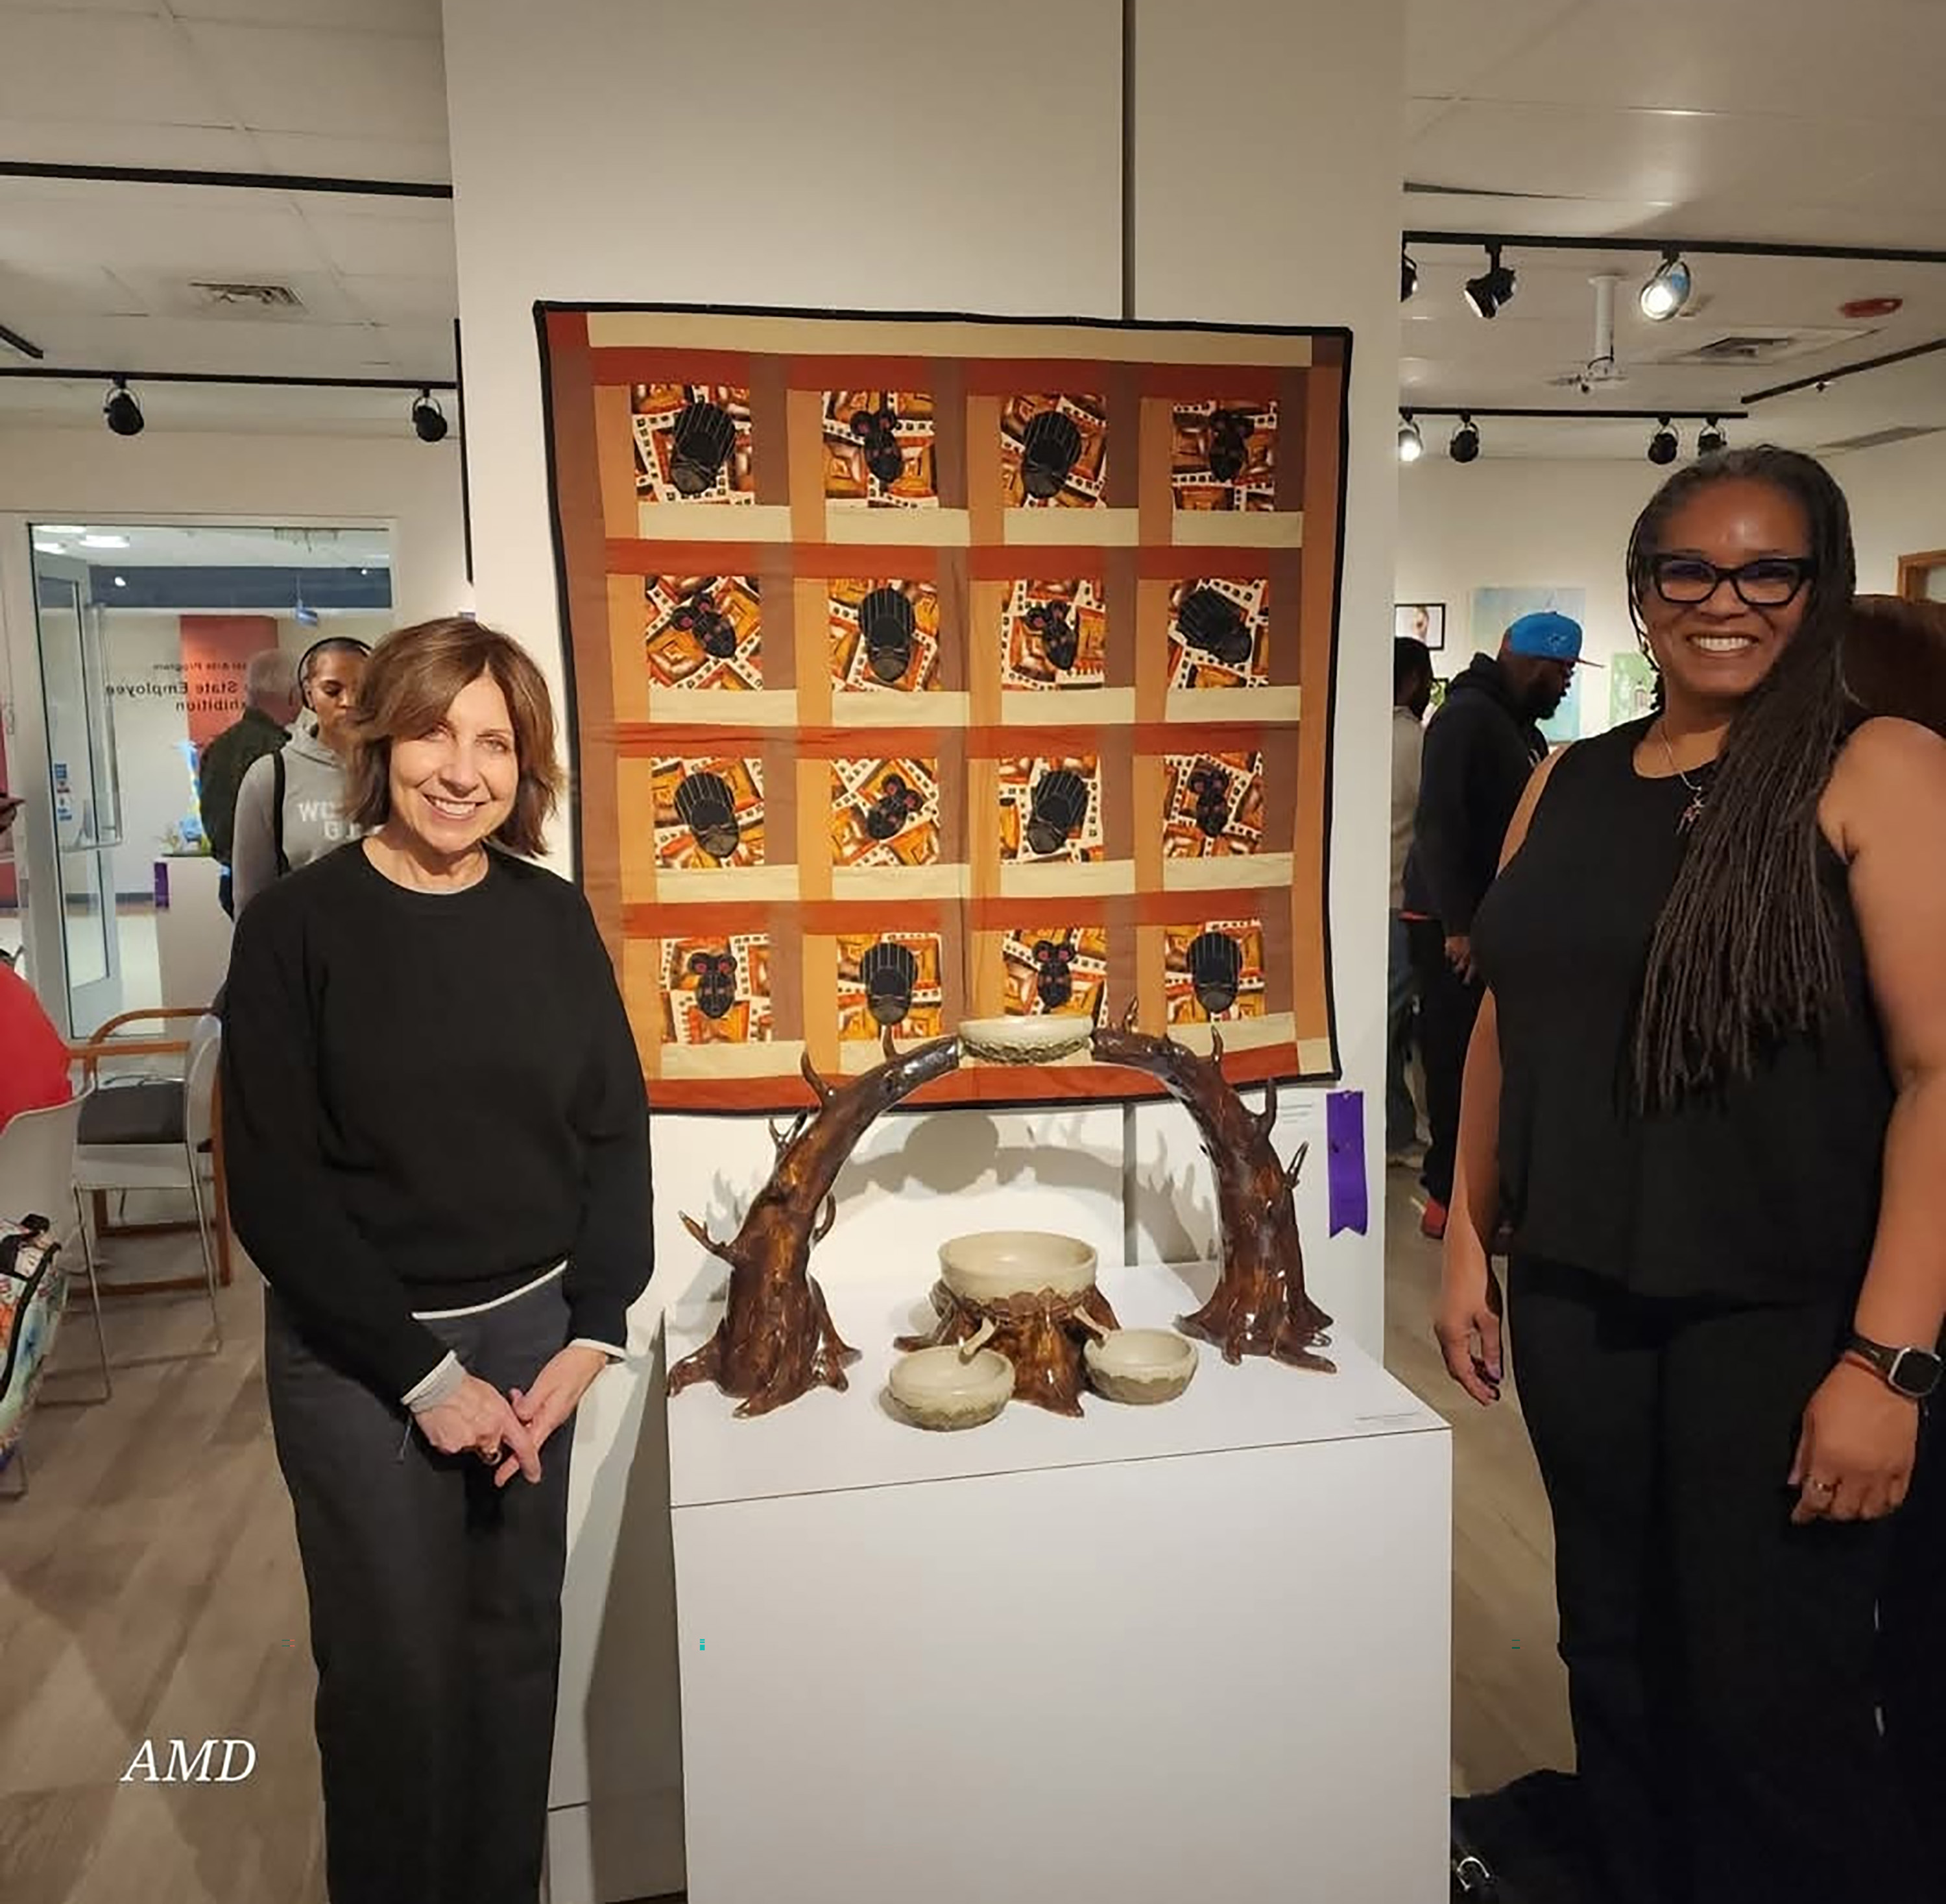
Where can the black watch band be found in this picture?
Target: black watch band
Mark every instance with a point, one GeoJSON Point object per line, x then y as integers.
{"type": "Point", "coordinates": [1914, 1373]}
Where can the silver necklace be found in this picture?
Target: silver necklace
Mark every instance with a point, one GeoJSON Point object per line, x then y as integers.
{"type": "Point", "coordinates": [1698, 796]}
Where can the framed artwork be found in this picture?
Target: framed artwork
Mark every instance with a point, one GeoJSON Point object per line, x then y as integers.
{"type": "Point", "coordinates": [1420, 621]}
{"type": "Point", "coordinates": [930, 668]}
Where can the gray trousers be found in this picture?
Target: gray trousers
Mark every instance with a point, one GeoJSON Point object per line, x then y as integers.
{"type": "Point", "coordinates": [435, 1619]}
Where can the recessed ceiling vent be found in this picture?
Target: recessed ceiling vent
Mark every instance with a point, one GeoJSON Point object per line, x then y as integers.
{"type": "Point", "coordinates": [245, 297]}
{"type": "Point", "coordinates": [1749, 349]}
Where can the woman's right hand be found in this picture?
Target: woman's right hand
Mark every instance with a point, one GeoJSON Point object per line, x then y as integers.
{"type": "Point", "coordinates": [1468, 1323]}
{"type": "Point", "coordinates": [477, 1419]}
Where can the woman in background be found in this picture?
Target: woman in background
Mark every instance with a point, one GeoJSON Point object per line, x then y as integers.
{"type": "Point", "coordinates": [290, 808]}
{"type": "Point", "coordinates": [1708, 1091]}
{"type": "Point", "coordinates": [438, 1157]}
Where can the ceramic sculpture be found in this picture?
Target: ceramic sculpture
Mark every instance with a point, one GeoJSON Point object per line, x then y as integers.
{"type": "Point", "coordinates": [776, 1341]}
{"type": "Point", "coordinates": [1033, 1295]}
{"type": "Point", "coordinates": [1143, 1366]}
{"type": "Point", "coordinates": [945, 1387]}
{"type": "Point", "coordinates": [1259, 1306]}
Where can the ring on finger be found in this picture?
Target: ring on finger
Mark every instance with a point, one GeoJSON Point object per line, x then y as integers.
{"type": "Point", "coordinates": [1821, 1487]}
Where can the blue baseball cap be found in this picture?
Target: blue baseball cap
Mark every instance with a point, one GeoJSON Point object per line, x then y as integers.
{"type": "Point", "coordinates": [1549, 636]}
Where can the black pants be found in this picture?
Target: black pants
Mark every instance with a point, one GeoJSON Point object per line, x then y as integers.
{"type": "Point", "coordinates": [1724, 1674]}
{"type": "Point", "coordinates": [1447, 1006]}
{"type": "Point", "coordinates": [1913, 1616]}
{"type": "Point", "coordinates": [435, 1620]}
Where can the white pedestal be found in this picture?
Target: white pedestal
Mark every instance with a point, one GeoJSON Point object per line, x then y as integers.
{"type": "Point", "coordinates": [1196, 1652]}
{"type": "Point", "coordinates": [192, 934]}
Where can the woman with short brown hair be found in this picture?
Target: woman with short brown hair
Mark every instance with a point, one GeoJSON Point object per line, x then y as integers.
{"type": "Point", "coordinates": [438, 1153]}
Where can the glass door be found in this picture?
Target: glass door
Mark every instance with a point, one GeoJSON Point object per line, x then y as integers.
{"type": "Point", "coordinates": [82, 785]}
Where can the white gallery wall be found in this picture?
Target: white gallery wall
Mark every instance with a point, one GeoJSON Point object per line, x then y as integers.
{"type": "Point", "coordinates": [84, 474]}
{"type": "Point", "coordinates": [1498, 522]}
{"type": "Point", "coordinates": [986, 177]}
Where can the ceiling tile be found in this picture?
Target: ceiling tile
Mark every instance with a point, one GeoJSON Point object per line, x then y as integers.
{"type": "Point", "coordinates": [423, 162]}
{"type": "Point", "coordinates": [136, 227]}
{"type": "Point", "coordinates": [408, 247]}
{"type": "Point", "coordinates": [103, 68]}
{"type": "Point", "coordinates": [415, 18]}
{"type": "Point", "coordinates": [84, 142]}
{"type": "Point", "coordinates": [346, 85]}
{"type": "Point", "coordinates": [389, 299]}
{"type": "Point", "coordinates": [1574, 152]}
{"type": "Point", "coordinates": [1449, 43]}
{"type": "Point", "coordinates": [1790, 57]}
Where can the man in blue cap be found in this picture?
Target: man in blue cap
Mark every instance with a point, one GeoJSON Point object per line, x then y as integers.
{"type": "Point", "coordinates": [1480, 750]}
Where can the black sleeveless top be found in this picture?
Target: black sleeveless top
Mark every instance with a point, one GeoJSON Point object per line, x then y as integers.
{"type": "Point", "coordinates": [1767, 1190]}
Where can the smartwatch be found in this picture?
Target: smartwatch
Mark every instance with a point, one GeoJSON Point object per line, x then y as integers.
{"type": "Point", "coordinates": [1914, 1373]}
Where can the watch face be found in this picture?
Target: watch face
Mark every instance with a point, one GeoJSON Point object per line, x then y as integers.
{"type": "Point", "coordinates": [1914, 1371]}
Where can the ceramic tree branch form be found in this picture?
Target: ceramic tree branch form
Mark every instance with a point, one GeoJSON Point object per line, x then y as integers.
{"type": "Point", "coordinates": [776, 1341]}
{"type": "Point", "coordinates": [1259, 1306]}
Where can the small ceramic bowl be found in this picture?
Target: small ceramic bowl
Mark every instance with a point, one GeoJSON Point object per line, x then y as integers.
{"type": "Point", "coordinates": [993, 1263]}
{"type": "Point", "coordinates": [941, 1388]}
{"type": "Point", "coordinates": [1037, 1040]}
{"type": "Point", "coordinates": [1141, 1364]}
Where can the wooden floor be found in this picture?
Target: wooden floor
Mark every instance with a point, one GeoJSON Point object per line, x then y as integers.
{"type": "Point", "coordinates": [149, 1589]}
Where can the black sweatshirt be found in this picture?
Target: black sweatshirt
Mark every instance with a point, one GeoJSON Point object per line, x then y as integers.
{"type": "Point", "coordinates": [430, 1099]}
{"type": "Point", "coordinates": [1480, 751]}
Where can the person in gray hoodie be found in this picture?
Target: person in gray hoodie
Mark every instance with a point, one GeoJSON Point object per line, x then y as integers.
{"type": "Point", "coordinates": [290, 807]}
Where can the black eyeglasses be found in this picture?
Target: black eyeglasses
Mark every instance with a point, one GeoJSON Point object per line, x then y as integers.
{"type": "Point", "coordinates": [1771, 582]}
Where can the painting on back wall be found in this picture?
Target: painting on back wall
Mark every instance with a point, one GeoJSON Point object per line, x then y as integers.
{"type": "Point", "coordinates": [931, 669]}
{"type": "Point", "coordinates": [1495, 610]}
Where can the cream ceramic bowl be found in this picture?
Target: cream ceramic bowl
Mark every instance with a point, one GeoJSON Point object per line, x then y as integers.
{"type": "Point", "coordinates": [1037, 1040]}
{"type": "Point", "coordinates": [941, 1388]}
{"type": "Point", "coordinates": [992, 1263]}
{"type": "Point", "coordinates": [1141, 1364]}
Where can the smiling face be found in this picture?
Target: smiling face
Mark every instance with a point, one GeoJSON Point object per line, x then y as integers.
{"type": "Point", "coordinates": [1716, 647]}
{"type": "Point", "coordinates": [331, 692]}
{"type": "Point", "coordinates": [453, 786]}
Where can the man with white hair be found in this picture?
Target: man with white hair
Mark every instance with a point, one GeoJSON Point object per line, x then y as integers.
{"type": "Point", "coordinates": [271, 704]}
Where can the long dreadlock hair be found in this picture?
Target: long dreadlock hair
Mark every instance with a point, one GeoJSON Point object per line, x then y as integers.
{"type": "Point", "coordinates": [1745, 950]}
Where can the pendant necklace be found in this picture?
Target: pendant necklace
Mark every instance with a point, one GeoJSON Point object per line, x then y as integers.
{"type": "Point", "coordinates": [1698, 796]}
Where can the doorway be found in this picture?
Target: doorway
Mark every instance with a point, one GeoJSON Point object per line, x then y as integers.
{"type": "Point", "coordinates": [141, 636]}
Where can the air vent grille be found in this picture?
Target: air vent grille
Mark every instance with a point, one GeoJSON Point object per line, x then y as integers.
{"type": "Point", "coordinates": [245, 297]}
{"type": "Point", "coordinates": [1750, 349]}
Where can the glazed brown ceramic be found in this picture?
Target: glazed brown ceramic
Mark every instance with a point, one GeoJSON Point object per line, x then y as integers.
{"type": "Point", "coordinates": [1041, 1333]}
{"type": "Point", "coordinates": [776, 1341]}
{"type": "Point", "coordinates": [1259, 1306]}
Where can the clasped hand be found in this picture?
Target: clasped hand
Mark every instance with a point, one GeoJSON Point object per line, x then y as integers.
{"type": "Point", "coordinates": [510, 1430]}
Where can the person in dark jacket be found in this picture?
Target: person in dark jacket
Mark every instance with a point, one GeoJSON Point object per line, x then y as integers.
{"type": "Point", "coordinates": [1480, 750]}
{"type": "Point", "coordinates": [271, 704]}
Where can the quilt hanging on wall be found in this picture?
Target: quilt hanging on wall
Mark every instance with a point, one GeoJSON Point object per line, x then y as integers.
{"type": "Point", "coordinates": [928, 669]}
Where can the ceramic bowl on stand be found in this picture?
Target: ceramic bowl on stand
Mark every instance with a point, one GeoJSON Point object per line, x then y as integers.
{"type": "Point", "coordinates": [943, 1387]}
{"type": "Point", "coordinates": [1140, 1365]}
{"type": "Point", "coordinates": [1039, 1039]}
{"type": "Point", "coordinates": [991, 1265]}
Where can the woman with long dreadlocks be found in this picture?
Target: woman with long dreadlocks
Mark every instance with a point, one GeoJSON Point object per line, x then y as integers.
{"type": "Point", "coordinates": [1708, 1092]}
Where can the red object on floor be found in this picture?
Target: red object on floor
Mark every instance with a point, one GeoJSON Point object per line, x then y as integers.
{"type": "Point", "coordinates": [1433, 1222]}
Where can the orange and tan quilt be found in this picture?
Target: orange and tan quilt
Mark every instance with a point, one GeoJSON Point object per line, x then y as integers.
{"type": "Point", "coordinates": [932, 668]}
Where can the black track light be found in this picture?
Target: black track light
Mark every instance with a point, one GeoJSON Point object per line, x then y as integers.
{"type": "Point", "coordinates": [1411, 444]}
{"type": "Point", "coordinates": [1663, 445]}
{"type": "Point", "coordinates": [1466, 444]}
{"type": "Point", "coordinates": [120, 412]}
{"type": "Point", "coordinates": [1494, 288]}
{"type": "Point", "coordinates": [1408, 276]}
{"type": "Point", "coordinates": [428, 419]}
{"type": "Point", "coordinates": [1667, 290]}
{"type": "Point", "coordinates": [1710, 439]}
